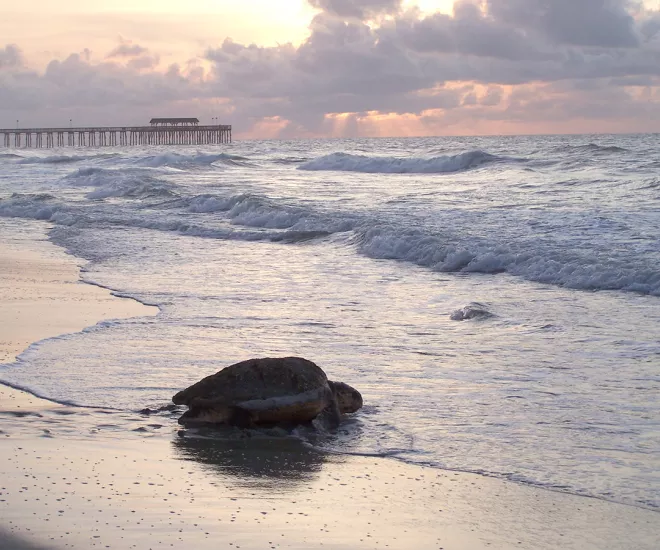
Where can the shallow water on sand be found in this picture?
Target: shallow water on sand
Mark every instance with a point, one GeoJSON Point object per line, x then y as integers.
{"type": "Point", "coordinates": [495, 300]}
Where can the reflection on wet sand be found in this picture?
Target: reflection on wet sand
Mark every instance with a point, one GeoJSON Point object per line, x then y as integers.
{"type": "Point", "coordinates": [259, 462]}
{"type": "Point", "coordinates": [94, 481]}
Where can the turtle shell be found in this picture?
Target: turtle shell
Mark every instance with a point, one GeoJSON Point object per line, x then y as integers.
{"type": "Point", "coordinates": [267, 390]}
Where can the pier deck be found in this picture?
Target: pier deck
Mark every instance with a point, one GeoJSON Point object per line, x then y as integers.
{"type": "Point", "coordinates": [114, 136]}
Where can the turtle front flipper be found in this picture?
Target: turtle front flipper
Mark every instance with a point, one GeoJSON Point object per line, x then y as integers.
{"type": "Point", "coordinates": [287, 409]}
{"type": "Point", "coordinates": [204, 412]}
{"type": "Point", "coordinates": [241, 417]}
{"type": "Point", "coordinates": [329, 418]}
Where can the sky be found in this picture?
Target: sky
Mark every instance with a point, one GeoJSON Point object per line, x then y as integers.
{"type": "Point", "coordinates": [335, 68]}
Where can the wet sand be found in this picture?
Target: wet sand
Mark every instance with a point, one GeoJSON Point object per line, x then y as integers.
{"type": "Point", "coordinates": [41, 294]}
{"type": "Point", "coordinates": [9, 542]}
{"type": "Point", "coordinates": [86, 478]}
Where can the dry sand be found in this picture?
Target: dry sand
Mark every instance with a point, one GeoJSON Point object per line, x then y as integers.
{"type": "Point", "coordinates": [81, 478]}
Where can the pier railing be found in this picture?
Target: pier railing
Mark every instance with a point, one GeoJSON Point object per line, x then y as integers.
{"type": "Point", "coordinates": [115, 136]}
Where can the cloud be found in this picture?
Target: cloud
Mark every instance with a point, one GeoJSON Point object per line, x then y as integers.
{"type": "Point", "coordinates": [650, 27]}
{"type": "Point", "coordinates": [144, 62]}
{"type": "Point", "coordinates": [10, 56]}
{"type": "Point", "coordinates": [600, 23]}
{"type": "Point", "coordinates": [503, 63]}
{"type": "Point", "coordinates": [351, 66]}
{"type": "Point", "coordinates": [359, 9]}
{"type": "Point", "coordinates": [137, 57]}
{"type": "Point", "coordinates": [468, 32]}
{"type": "Point", "coordinates": [76, 83]}
{"type": "Point", "coordinates": [127, 49]}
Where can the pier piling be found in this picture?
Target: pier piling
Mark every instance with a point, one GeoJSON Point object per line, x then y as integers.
{"type": "Point", "coordinates": [167, 133]}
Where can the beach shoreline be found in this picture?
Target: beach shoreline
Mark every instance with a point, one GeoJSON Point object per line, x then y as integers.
{"type": "Point", "coordinates": [87, 478]}
{"type": "Point", "coordinates": [42, 296]}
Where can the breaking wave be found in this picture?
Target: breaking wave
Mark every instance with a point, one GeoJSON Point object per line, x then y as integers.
{"type": "Point", "coordinates": [392, 165]}
{"type": "Point", "coordinates": [63, 159]}
{"type": "Point", "coordinates": [36, 197]}
{"type": "Point", "coordinates": [593, 148]}
{"type": "Point", "coordinates": [554, 267]}
{"type": "Point", "coordinates": [290, 160]}
{"type": "Point", "coordinates": [256, 218]}
{"type": "Point", "coordinates": [213, 203]}
{"type": "Point", "coordinates": [264, 223]}
{"type": "Point", "coordinates": [177, 160]}
{"type": "Point", "coordinates": [130, 183]}
{"type": "Point", "coordinates": [260, 212]}
{"type": "Point", "coordinates": [132, 189]}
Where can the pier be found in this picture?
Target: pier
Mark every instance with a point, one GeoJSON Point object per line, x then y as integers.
{"type": "Point", "coordinates": [161, 131]}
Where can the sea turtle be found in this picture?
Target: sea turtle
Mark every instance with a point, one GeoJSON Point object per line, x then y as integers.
{"type": "Point", "coordinates": [268, 391]}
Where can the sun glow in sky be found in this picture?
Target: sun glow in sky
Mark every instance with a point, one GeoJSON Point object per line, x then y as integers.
{"type": "Point", "coordinates": [256, 8]}
{"type": "Point", "coordinates": [177, 29]}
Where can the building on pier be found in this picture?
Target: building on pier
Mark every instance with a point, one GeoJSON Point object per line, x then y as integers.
{"type": "Point", "coordinates": [174, 121]}
{"type": "Point", "coordinates": [162, 131]}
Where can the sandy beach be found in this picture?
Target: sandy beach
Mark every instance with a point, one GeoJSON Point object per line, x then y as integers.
{"type": "Point", "coordinates": [85, 478]}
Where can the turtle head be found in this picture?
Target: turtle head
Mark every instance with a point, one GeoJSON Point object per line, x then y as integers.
{"type": "Point", "coordinates": [348, 398]}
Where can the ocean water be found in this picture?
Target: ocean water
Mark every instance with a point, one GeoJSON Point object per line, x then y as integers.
{"type": "Point", "coordinates": [496, 300]}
